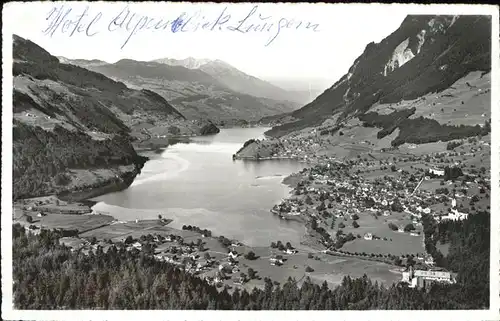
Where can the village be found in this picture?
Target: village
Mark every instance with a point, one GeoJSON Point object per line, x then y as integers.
{"type": "Point", "coordinates": [219, 261]}
{"type": "Point", "coordinates": [373, 207]}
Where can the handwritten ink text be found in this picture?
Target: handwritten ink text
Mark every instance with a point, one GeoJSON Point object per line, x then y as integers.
{"type": "Point", "coordinates": [66, 20]}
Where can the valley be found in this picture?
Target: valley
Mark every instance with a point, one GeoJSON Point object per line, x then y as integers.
{"type": "Point", "coordinates": [206, 187]}
{"type": "Point", "coordinates": [215, 90]}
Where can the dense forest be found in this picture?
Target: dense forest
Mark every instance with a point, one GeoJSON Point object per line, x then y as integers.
{"type": "Point", "coordinates": [469, 252]}
{"type": "Point", "coordinates": [49, 276]}
{"type": "Point", "coordinates": [42, 157]}
{"type": "Point", "coordinates": [419, 130]}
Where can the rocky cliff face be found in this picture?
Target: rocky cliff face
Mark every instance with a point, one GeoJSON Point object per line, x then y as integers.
{"type": "Point", "coordinates": [425, 54]}
{"type": "Point", "coordinates": [71, 126]}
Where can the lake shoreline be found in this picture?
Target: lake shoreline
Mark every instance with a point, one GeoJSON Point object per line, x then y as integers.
{"type": "Point", "coordinates": [106, 230]}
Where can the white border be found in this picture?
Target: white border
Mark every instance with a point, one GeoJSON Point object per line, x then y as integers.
{"type": "Point", "coordinates": [6, 241]}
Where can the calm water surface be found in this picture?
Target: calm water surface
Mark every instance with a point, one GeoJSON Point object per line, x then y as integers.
{"type": "Point", "coordinates": [198, 183]}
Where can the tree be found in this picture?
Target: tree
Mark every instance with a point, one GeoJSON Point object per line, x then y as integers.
{"type": "Point", "coordinates": [409, 227]}
{"type": "Point", "coordinates": [289, 245]}
{"type": "Point", "coordinates": [251, 273]}
{"type": "Point", "coordinates": [309, 269]}
{"type": "Point", "coordinates": [314, 224]}
{"type": "Point", "coordinates": [396, 205]}
{"type": "Point", "coordinates": [159, 216]}
{"type": "Point", "coordinates": [341, 225]}
{"type": "Point", "coordinates": [29, 219]}
{"type": "Point", "coordinates": [129, 240]}
{"type": "Point", "coordinates": [355, 217]}
{"type": "Point", "coordinates": [309, 200]}
{"type": "Point", "coordinates": [250, 256]}
{"type": "Point", "coordinates": [174, 130]}
{"type": "Point", "coordinates": [207, 256]}
{"type": "Point", "coordinates": [355, 224]}
{"type": "Point", "coordinates": [273, 245]}
{"type": "Point", "coordinates": [442, 190]}
{"type": "Point", "coordinates": [393, 226]}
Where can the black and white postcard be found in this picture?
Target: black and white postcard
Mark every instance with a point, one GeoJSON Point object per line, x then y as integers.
{"type": "Point", "coordinates": [248, 161]}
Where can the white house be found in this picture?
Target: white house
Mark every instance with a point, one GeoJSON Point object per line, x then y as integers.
{"type": "Point", "coordinates": [455, 215]}
{"type": "Point", "coordinates": [429, 260]}
{"type": "Point", "coordinates": [233, 254]}
{"type": "Point", "coordinates": [276, 260]}
{"type": "Point", "coordinates": [438, 172]}
{"type": "Point", "coordinates": [368, 236]}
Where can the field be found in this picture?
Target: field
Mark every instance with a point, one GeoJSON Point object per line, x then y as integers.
{"type": "Point", "coordinates": [423, 149]}
{"type": "Point", "coordinates": [82, 223]}
{"type": "Point", "coordinates": [467, 102]}
{"type": "Point", "coordinates": [443, 248]}
{"type": "Point", "coordinates": [397, 243]}
{"type": "Point", "coordinates": [119, 231]}
{"type": "Point", "coordinates": [326, 267]}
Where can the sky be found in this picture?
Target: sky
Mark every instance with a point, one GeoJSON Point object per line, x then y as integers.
{"type": "Point", "coordinates": [307, 42]}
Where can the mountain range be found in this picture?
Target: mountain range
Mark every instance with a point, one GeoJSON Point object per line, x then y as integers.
{"type": "Point", "coordinates": [199, 88]}
{"type": "Point", "coordinates": [239, 81]}
{"type": "Point", "coordinates": [425, 55]}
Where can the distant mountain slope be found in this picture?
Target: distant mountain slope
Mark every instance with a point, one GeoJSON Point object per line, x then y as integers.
{"type": "Point", "coordinates": [425, 54]}
{"type": "Point", "coordinates": [72, 126]}
{"type": "Point", "coordinates": [190, 62]}
{"type": "Point", "coordinates": [193, 92]}
{"type": "Point", "coordinates": [239, 81]}
{"type": "Point", "coordinates": [96, 62]}
{"type": "Point", "coordinates": [426, 84]}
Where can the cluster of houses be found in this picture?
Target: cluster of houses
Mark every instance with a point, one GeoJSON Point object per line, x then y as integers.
{"type": "Point", "coordinates": [34, 116]}
{"type": "Point", "coordinates": [225, 268]}
{"type": "Point", "coordinates": [349, 194]}
{"type": "Point", "coordinates": [304, 148]}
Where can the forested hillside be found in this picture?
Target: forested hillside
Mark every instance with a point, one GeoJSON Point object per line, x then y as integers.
{"type": "Point", "coordinates": [42, 157]}
{"type": "Point", "coordinates": [68, 120]}
{"type": "Point", "coordinates": [49, 276]}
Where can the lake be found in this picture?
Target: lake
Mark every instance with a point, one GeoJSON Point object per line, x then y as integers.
{"type": "Point", "coordinates": [198, 183]}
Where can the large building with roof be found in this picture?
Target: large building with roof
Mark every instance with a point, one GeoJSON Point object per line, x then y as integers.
{"type": "Point", "coordinates": [422, 278]}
